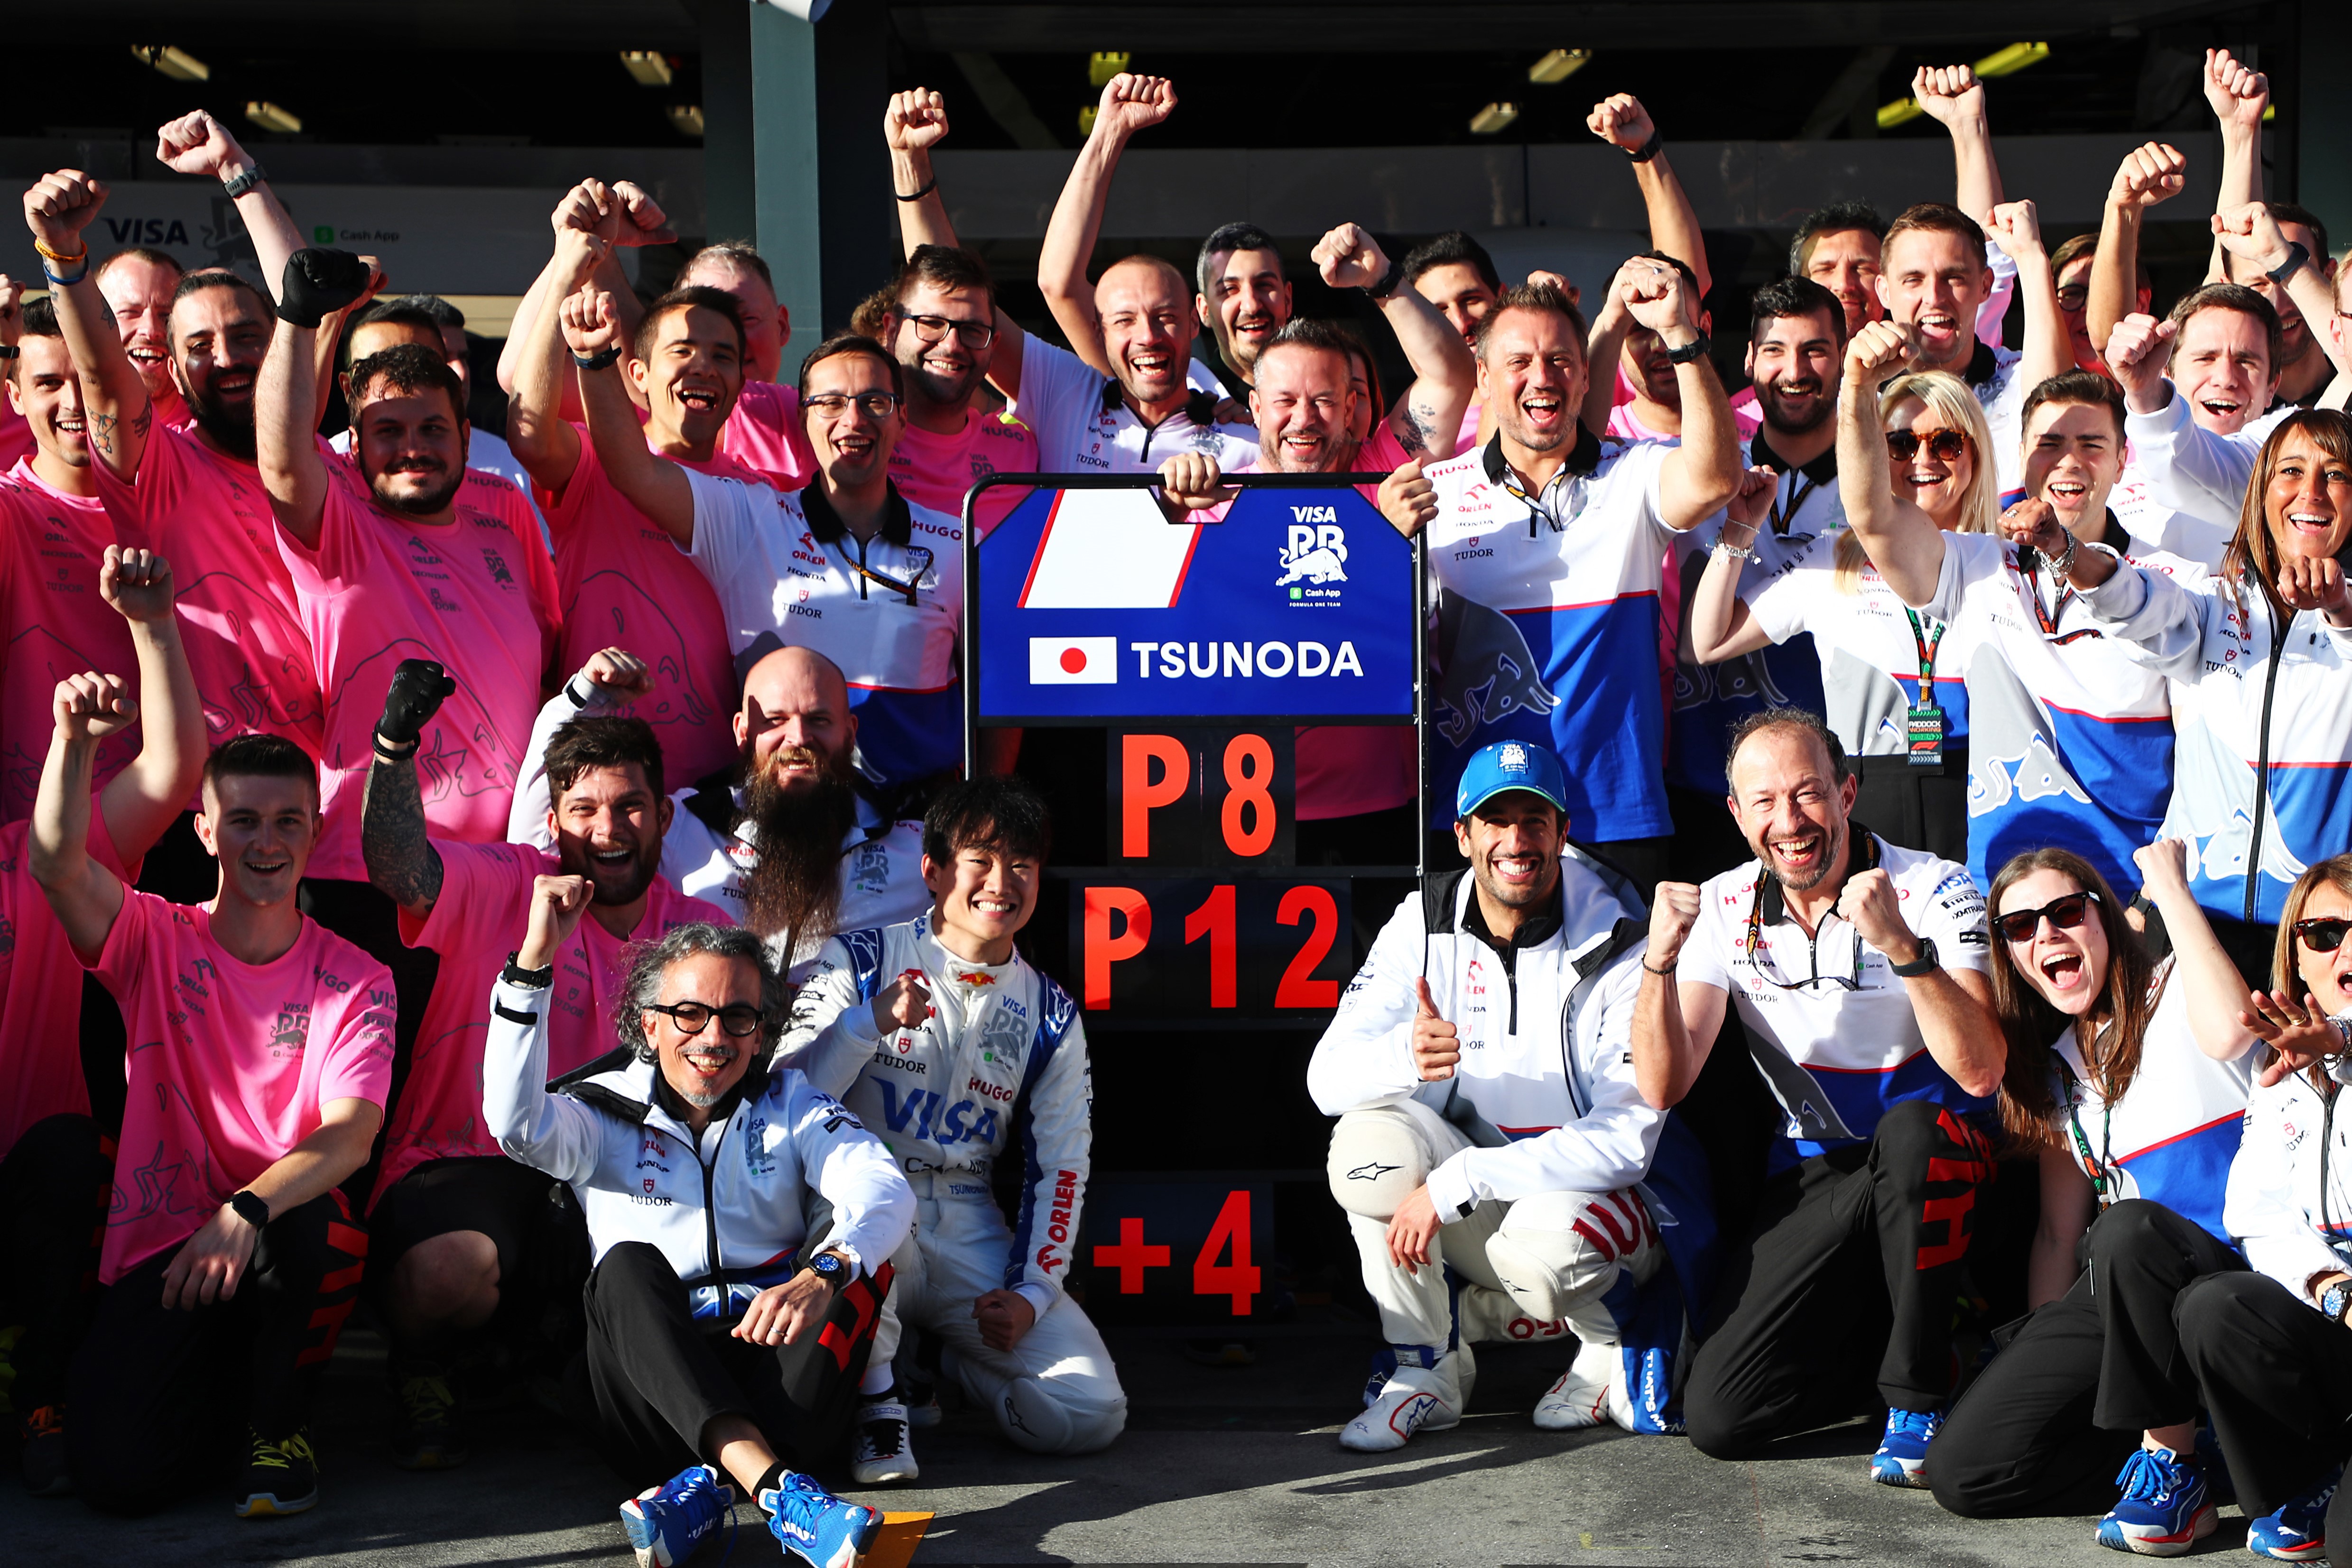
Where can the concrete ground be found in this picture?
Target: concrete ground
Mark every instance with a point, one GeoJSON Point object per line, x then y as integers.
{"type": "Point", "coordinates": [1218, 1466]}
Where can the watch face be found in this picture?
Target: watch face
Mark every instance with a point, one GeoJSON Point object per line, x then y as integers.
{"type": "Point", "coordinates": [825, 1264]}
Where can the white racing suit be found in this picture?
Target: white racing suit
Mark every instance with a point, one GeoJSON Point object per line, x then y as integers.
{"type": "Point", "coordinates": [1535, 1153]}
{"type": "Point", "coordinates": [1001, 1065]}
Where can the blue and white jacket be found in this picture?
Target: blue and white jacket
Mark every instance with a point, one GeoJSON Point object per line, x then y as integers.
{"type": "Point", "coordinates": [1000, 1063]}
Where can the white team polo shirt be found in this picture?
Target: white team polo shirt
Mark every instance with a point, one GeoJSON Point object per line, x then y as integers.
{"type": "Point", "coordinates": [1085, 427]}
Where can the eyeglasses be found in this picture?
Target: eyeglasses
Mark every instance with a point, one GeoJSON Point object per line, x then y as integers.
{"type": "Point", "coordinates": [2064, 914]}
{"type": "Point", "coordinates": [740, 1019]}
{"type": "Point", "coordinates": [2073, 298]}
{"type": "Point", "coordinates": [970, 334]}
{"type": "Point", "coordinates": [2322, 935]}
{"type": "Point", "coordinates": [874, 405]}
{"type": "Point", "coordinates": [1944, 445]}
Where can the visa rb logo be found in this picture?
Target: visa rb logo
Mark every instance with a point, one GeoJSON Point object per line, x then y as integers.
{"type": "Point", "coordinates": [1317, 551]}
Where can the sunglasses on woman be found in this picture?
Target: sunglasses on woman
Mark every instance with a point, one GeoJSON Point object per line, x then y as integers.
{"type": "Point", "coordinates": [1944, 446]}
{"type": "Point", "coordinates": [2322, 935]}
{"type": "Point", "coordinates": [2063, 914]}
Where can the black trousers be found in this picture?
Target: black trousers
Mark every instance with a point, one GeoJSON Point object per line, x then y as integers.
{"type": "Point", "coordinates": [1846, 1278]}
{"type": "Point", "coordinates": [533, 1221]}
{"type": "Point", "coordinates": [53, 1196]}
{"type": "Point", "coordinates": [160, 1396]}
{"type": "Point", "coordinates": [1918, 808]}
{"type": "Point", "coordinates": [2277, 1378]}
{"type": "Point", "coordinates": [2068, 1398]}
{"type": "Point", "coordinates": [659, 1377]}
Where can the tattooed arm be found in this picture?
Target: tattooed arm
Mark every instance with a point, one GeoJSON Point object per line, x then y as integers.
{"type": "Point", "coordinates": [58, 210]}
{"type": "Point", "coordinates": [401, 859]}
{"type": "Point", "coordinates": [1427, 419]}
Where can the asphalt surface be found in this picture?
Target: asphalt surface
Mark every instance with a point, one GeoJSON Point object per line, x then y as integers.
{"type": "Point", "coordinates": [1219, 1465]}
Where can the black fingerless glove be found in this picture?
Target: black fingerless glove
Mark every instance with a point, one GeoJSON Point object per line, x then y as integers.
{"type": "Point", "coordinates": [319, 283]}
{"type": "Point", "coordinates": [418, 687]}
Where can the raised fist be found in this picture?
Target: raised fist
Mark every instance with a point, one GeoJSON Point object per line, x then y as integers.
{"type": "Point", "coordinates": [196, 143]}
{"type": "Point", "coordinates": [588, 208]}
{"type": "Point", "coordinates": [903, 1004]}
{"type": "Point", "coordinates": [2163, 866]}
{"type": "Point", "coordinates": [642, 220]}
{"type": "Point", "coordinates": [1351, 258]}
{"type": "Point", "coordinates": [1407, 499]}
{"type": "Point", "coordinates": [2136, 355]}
{"type": "Point", "coordinates": [557, 904]}
{"type": "Point", "coordinates": [2313, 583]}
{"type": "Point", "coordinates": [1672, 915]}
{"type": "Point", "coordinates": [320, 282]}
{"type": "Point", "coordinates": [60, 205]}
{"type": "Point", "coordinates": [1621, 121]}
{"type": "Point", "coordinates": [617, 673]}
{"type": "Point", "coordinates": [1868, 902]}
{"type": "Point", "coordinates": [2248, 232]}
{"type": "Point", "coordinates": [2149, 174]}
{"type": "Point", "coordinates": [2014, 227]}
{"type": "Point", "coordinates": [1877, 351]}
{"type": "Point", "coordinates": [589, 325]}
{"type": "Point", "coordinates": [418, 688]}
{"type": "Point", "coordinates": [92, 707]}
{"type": "Point", "coordinates": [2236, 94]}
{"type": "Point", "coordinates": [916, 120]}
{"type": "Point", "coordinates": [1950, 94]}
{"type": "Point", "coordinates": [1132, 103]}
{"type": "Point", "coordinates": [1759, 488]}
{"type": "Point", "coordinates": [136, 583]}
{"type": "Point", "coordinates": [1653, 294]}
{"type": "Point", "coordinates": [2033, 522]}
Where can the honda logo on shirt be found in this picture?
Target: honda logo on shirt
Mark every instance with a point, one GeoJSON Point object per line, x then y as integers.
{"type": "Point", "coordinates": [1073, 661]}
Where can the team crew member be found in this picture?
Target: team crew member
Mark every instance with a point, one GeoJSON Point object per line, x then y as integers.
{"type": "Point", "coordinates": [941, 327]}
{"type": "Point", "coordinates": [1482, 1184]}
{"type": "Point", "coordinates": [788, 844]}
{"type": "Point", "coordinates": [53, 532]}
{"type": "Point", "coordinates": [2257, 657]}
{"type": "Point", "coordinates": [2129, 1079]}
{"type": "Point", "coordinates": [847, 566]}
{"type": "Point", "coordinates": [620, 578]}
{"type": "Point", "coordinates": [2275, 1376]}
{"type": "Point", "coordinates": [1547, 546]}
{"type": "Point", "coordinates": [944, 1040]}
{"type": "Point", "coordinates": [52, 1173]}
{"type": "Point", "coordinates": [696, 1158]}
{"type": "Point", "coordinates": [1796, 342]}
{"type": "Point", "coordinates": [465, 1239]}
{"type": "Point", "coordinates": [435, 562]}
{"type": "Point", "coordinates": [1858, 968]}
{"type": "Point", "coordinates": [1894, 680]}
{"type": "Point", "coordinates": [1936, 277]}
{"type": "Point", "coordinates": [2071, 737]}
{"type": "Point", "coordinates": [2070, 269]}
{"type": "Point", "coordinates": [191, 494]}
{"type": "Point", "coordinates": [258, 1086]}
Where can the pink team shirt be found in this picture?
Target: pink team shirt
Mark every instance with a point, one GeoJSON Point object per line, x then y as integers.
{"type": "Point", "coordinates": [764, 433]}
{"type": "Point", "coordinates": [40, 991]}
{"type": "Point", "coordinates": [53, 624]}
{"type": "Point", "coordinates": [239, 617]}
{"type": "Point", "coordinates": [937, 471]}
{"type": "Point", "coordinates": [479, 919]}
{"type": "Point", "coordinates": [1745, 415]}
{"type": "Point", "coordinates": [478, 594]}
{"type": "Point", "coordinates": [232, 1064]}
{"type": "Point", "coordinates": [622, 584]}
{"type": "Point", "coordinates": [16, 443]}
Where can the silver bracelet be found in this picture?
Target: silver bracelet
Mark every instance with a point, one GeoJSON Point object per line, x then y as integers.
{"type": "Point", "coordinates": [1736, 552]}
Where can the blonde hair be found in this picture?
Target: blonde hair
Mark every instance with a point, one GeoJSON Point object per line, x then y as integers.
{"type": "Point", "coordinates": [1948, 398]}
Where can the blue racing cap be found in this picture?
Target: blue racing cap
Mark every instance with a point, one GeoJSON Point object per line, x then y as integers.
{"type": "Point", "coordinates": [1507, 766]}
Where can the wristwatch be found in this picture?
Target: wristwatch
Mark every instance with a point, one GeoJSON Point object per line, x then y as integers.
{"type": "Point", "coordinates": [1919, 966]}
{"type": "Point", "coordinates": [254, 174]}
{"type": "Point", "coordinates": [2298, 256]}
{"type": "Point", "coordinates": [1694, 350]}
{"type": "Point", "coordinates": [2336, 1299]}
{"type": "Point", "coordinates": [249, 1208]}
{"type": "Point", "coordinates": [829, 1268]}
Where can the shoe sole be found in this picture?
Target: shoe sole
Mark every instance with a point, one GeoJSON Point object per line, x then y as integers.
{"type": "Point", "coordinates": [2313, 1552]}
{"type": "Point", "coordinates": [641, 1532]}
{"type": "Point", "coordinates": [887, 1476]}
{"type": "Point", "coordinates": [2208, 1519]}
{"type": "Point", "coordinates": [268, 1505]}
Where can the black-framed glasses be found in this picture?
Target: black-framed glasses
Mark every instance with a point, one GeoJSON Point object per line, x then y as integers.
{"type": "Point", "coordinates": [740, 1019]}
{"type": "Point", "coordinates": [2324, 935]}
{"type": "Point", "coordinates": [2073, 296]}
{"type": "Point", "coordinates": [2064, 914]}
{"type": "Point", "coordinates": [873, 404]}
{"type": "Point", "coordinates": [970, 334]}
{"type": "Point", "coordinates": [1945, 446]}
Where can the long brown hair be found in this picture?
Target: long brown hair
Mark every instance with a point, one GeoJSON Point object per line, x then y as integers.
{"type": "Point", "coordinates": [2286, 975]}
{"type": "Point", "coordinates": [2032, 1027]}
{"type": "Point", "coordinates": [2252, 552]}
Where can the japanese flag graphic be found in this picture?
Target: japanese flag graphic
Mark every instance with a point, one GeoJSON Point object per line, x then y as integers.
{"type": "Point", "coordinates": [1073, 661]}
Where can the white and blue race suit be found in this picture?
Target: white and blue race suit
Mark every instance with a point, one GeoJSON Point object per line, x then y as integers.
{"type": "Point", "coordinates": [887, 610]}
{"type": "Point", "coordinates": [1548, 627]}
{"type": "Point", "coordinates": [2071, 737]}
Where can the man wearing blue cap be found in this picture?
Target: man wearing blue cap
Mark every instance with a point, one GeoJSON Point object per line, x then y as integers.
{"type": "Point", "coordinates": [1492, 1194]}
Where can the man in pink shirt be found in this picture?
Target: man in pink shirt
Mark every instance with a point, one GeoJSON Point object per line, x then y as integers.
{"type": "Point", "coordinates": [191, 494]}
{"type": "Point", "coordinates": [467, 1239]}
{"type": "Point", "coordinates": [16, 435]}
{"type": "Point", "coordinates": [621, 581]}
{"type": "Point", "coordinates": [59, 1105]}
{"type": "Point", "coordinates": [262, 1054]}
{"type": "Point", "coordinates": [941, 330]}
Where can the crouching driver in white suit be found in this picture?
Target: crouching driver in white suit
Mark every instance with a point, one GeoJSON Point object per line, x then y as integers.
{"type": "Point", "coordinates": [1490, 1138]}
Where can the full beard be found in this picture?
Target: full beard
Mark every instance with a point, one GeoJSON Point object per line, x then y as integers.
{"type": "Point", "coordinates": [793, 890]}
{"type": "Point", "coordinates": [230, 428]}
{"type": "Point", "coordinates": [1776, 416]}
{"type": "Point", "coordinates": [418, 503]}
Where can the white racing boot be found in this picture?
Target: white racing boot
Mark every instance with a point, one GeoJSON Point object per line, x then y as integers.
{"type": "Point", "coordinates": [1588, 1393]}
{"type": "Point", "coordinates": [1425, 1393]}
{"type": "Point", "coordinates": [880, 1453]}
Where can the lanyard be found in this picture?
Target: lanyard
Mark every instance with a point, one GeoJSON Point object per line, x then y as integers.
{"type": "Point", "coordinates": [919, 558]}
{"type": "Point", "coordinates": [1756, 944]}
{"type": "Point", "coordinates": [2050, 618]}
{"type": "Point", "coordinates": [1800, 491]}
{"type": "Point", "coordinates": [1927, 647]}
{"type": "Point", "coordinates": [2095, 1167]}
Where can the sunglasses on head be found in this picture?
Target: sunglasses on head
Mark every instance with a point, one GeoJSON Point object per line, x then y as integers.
{"type": "Point", "coordinates": [1944, 446]}
{"type": "Point", "coordinates": [2064, 914]}
{"type": "Point", "coordinates": [2322, 935]}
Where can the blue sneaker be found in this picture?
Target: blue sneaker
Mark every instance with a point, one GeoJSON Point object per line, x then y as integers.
{"type": "Point", "coordinates": [667, 1522]}
{"type": "Point", "coordinates": [1902, 1457]}
{"type": "Point", "coordinates": [816, 1526]}
{"type": "Point", "coordinates": [2297, 1533]}
{"type": "Point", "coordinates": [2165, 1508]}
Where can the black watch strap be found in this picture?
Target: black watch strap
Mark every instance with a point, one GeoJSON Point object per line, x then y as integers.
{"type": "Point", "coordinates": [237, 186]}
{"type": "Point", "coordinates": [249, 1209]}
{"type": "Point", "coordinates": [1925, 961]}
{"type": "Point", "coordinates": [1388, 282]}
{"type": "Point", "coordinates": [2298, 256]}
{"type": "Point", "coordinates": [1697, 349]}
{"type": "Point", "coordinates": [599, 360]}
{"type": "Point", "coordinates": [1648, 150]}
{"type": "Point", "coordinates": [531, 979]}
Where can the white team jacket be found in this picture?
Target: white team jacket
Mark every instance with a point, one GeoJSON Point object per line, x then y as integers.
{"type": "Point", "coordinates": [1545, 1086]}
{"type": "Point", "coordinates": [2276, 1210]}
{"type": "Point", "coordinates": [1003, 1054]}
{"type": "Point", "coordinates": [726, 1208]}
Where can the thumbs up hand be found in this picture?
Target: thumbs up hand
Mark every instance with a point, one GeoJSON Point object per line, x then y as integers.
{"type": "Point", "coordinates": [1435, 1045]}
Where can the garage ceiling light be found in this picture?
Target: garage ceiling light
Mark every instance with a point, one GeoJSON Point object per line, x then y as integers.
{"type": "Point", "coordinates": [177, 64]}
{"type": "Point", "coordinates": [1104, 65]}
{"type": "Point", "coordinates": [686, 117]}
{"type": "Point", "coordinates": [1493, 118]}
{"type": "Point", "coordinates": [1559, 65]}
{"type": "Point", "coordinates": [649, 68]}
{"type": "Point", "coordinates": [269, 117]}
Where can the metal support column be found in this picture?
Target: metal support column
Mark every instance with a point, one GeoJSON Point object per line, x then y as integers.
{"type": "Point", "coordinates": [760, 152]}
